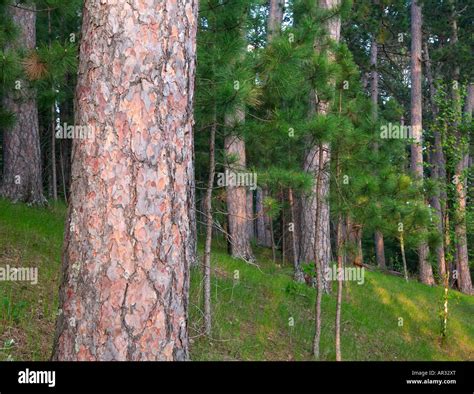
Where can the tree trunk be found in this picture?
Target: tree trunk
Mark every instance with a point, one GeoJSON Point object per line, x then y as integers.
{"type": "Point", "coordinates": [128, 242]}
{"type": "Point", "coordinates": [320, 250]}
{"type": "Point", "coordinates": [340, 263]}
{"type": "Point", "coordinates": [462, 255]}
{"type": "Point", "coordinates": [250, 215]}
{"type": "Point", "coordinates": [310, 250]}
{"type": "Point", "coordinates": [355, 256]}
{"type": "Point", "coordinates": [298, 272]}
{"type": "Point", "coordinates": [340, 259]}
{"type": "Point", "coordinates": [320, 234]}
{"type": "Point", "coordinates": [22, 181]}
{"type": "Point", "coordinates": [62, 166]}
{"type": "Point", "coordinates": [374, 94]}
{"type": "Point", "coordinates": [237, 195]}
{"type": "Point", "coordinates": [54, 177]}
{"type": "Point", "coordinates": [263, 221]}
{"type": "Point", "coordinates": [462, 260]}
{"type": "Point", "coordinates": [260, 218]}
{"type": "Point", "coordinates": [402, 249]}
{"type": "Point", "coordinates": [275, 16]}
{"type": "Point", "coordinates": [272, 234]}
{"type": "Point", "coordinates": [438, 170]}
{"type": "Point", "coordinates": [425, 270]}
{"type": "Point", "coordinates": [317, 262]}
{"type": "Point", "coordinates": [207, 247]}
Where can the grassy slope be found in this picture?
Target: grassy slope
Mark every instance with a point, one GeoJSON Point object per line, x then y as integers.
{"type": "Point", "coordinates": [251, 316]}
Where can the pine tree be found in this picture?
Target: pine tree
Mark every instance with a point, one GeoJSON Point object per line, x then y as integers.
{"type": "Point", "coordinates": [426, 273]}
{"type": "Point", "coordinates": [22, 179]}
{"type": "Point", "coordinates": [129, 242]}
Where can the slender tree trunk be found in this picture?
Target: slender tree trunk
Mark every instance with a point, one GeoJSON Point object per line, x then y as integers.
{"type": "Point", "coordinates": [54, 179]}
{"type": "Point", "coordinates": [268, 222]}
{"type": "Point", "coordinates": [298, 272]}
{"type": "Point", "coordinates": [22, 181]}
{"type": "Point", "coordinates": [340, 259]}
{"type": "Point", "coordinates": [283, 227]}
{"type": "Point", "coordinates": [374, 94]}
{"type": "Point", "coordinates": [191, 188]}
{"type": "Point", "coordinates": [263, 220]}
{"type": "Point", "coordinates": [209, 219]}
{"type": "Point", "coordinates": [425, 270]}
{"type": "Point", "coordinates": [355, 238]}
{"type": "Point", "coordinates": [340, 263]}
{"type": "Point", "coordinates": [63, 175]}
{"type": "Point", "coordinates": [318, 265]}
{"type": "Point", "coordinates": [402, 249]}
{"type": "Point", "coordinates": [250, 215]}
{"type": "Point", "coordinates": [360, 256]}
{"type": "Point", "coordinates": [260, 217]}
{"type": "Point", "coordinates": [272, 235]}
{"type": "Point", "coordinates": [128, 242]}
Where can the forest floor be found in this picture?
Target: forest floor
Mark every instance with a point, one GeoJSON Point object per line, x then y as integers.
{"type": "Point", "coordinates": [383, 319]}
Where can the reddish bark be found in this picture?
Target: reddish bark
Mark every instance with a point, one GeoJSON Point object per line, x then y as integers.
{"type": "Point", "coordinates": [129, 241]}
{"type": "Point", "coordinates": [237, 196]}
{"type": "Point", "coordinates": [425, 270]}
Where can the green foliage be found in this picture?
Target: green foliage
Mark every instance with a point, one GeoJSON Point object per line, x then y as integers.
{"type": "Point", "coordinates": [12, 311]}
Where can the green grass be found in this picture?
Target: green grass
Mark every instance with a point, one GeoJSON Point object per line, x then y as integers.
{"type": "Point", "coordinates": [250, 315]}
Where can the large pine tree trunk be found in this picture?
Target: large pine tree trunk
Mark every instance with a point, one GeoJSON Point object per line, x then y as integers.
{"type": "Point", "coordinates": [21, 144]}
{"type": "Point", "coordinates": [425, 270]}
{"type": "Point", "coordinates": [374, 94]}
{"type": "Point", "coordinates": [460, 230]}
{"type": "Point", "coordinates": [237, 195]}
{"type": "Point", "coordinates": [462, 255]}
{"type": "Point", "coordinates": [128, 241]}
{"type": "Point", "coordinates": [438, 170]}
